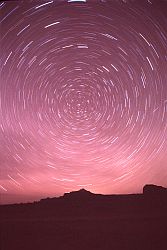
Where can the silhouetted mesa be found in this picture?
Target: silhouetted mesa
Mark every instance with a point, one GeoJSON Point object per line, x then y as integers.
{"type": "Point", "coordinates": [86, 221]}
{"type": "Point", "coordinates": [82, 193]}
{"type": "Point", "coordinates": [151, 189]}
{"type": "Point", "coordinates": [77, 202]}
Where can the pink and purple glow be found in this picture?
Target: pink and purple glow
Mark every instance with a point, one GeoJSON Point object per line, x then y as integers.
{"type": "Point", "coordinates": [83, 97]}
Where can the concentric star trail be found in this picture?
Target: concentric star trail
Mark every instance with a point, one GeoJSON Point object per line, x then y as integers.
{"type": "Point", "coordinates": [83, 96]}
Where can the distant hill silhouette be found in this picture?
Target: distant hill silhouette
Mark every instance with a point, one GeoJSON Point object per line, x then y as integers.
{"type": "Point", "coordinates": [80, 193]}
{"type": "Point", "coordinates": [86, 221]}
{"type": "Point", "coordinates": [151, 189]}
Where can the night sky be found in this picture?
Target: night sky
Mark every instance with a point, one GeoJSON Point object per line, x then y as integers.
{"type": "Point", "coordinates": [83, 97]}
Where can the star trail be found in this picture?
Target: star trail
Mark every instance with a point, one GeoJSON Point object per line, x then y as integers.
{"type": "Point", "coordinates": [83, 97]}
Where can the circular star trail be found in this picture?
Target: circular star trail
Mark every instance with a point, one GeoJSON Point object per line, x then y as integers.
{"type": "Point", "coordinates": [83, 96]}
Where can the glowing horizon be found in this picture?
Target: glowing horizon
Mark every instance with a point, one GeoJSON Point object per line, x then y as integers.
{"type": "Point", "coordinates": [83, 97]}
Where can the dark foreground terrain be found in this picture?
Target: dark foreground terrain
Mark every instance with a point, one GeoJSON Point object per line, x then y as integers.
{"type": "Point", "coordinates": [85, 221]}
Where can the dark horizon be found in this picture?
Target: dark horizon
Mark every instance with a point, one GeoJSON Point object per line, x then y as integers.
{"type": "Point", "coordinates": [86, 221]}
{"type": "Point", "coordinates": [83, 106]}
{"type": "Point", "coordinates": [38, 199]}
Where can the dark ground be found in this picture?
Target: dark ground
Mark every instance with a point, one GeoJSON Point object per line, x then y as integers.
{"type": "Point", "coordinates": [86, 223]}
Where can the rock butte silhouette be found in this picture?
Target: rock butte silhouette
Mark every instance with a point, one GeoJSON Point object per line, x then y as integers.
{"type": "Point", "coordinates": [83, 194]}
{"type": "Point", "coordinates": [153, 189]}
{"type": "Point", "coordinates": [87, 221]}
